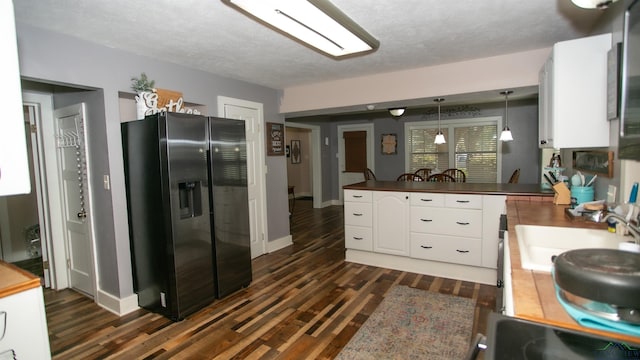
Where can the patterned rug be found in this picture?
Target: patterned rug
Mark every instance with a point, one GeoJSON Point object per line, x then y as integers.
{"type": "Point", "coordinates": [414, 324]}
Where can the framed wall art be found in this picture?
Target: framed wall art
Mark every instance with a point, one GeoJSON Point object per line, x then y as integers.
{"type": "Point", "coordinates": [275, 139]}
{"type": "Point", "coordinates": [389, 144]}
{"type": "Point", "coordinates": [295, 152]}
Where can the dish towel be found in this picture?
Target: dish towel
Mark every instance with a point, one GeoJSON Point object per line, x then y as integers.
{"type": "Point", "coordinates": [595, 322]}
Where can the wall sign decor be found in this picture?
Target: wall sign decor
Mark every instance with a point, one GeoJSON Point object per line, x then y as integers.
{"type": "Point", "coordinates": [597, 162]}
{"type": "Point", "coordinates": [389, 144]}
{"type": "Point", "coordinates": [295, 152]}
{"type": "Point", "coordinates": [275, 139]}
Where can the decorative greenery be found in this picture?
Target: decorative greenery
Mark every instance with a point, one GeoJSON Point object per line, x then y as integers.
{"type": "Point", "coordinates": [142, 83]}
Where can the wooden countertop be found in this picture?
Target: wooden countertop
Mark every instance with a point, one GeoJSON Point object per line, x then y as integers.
{"type": "Point", "coordinates": [458, 188]}
{"type": "Point", "coordinates": [533, 291]}
{"type": "Point", "coordinates": [14, 280]}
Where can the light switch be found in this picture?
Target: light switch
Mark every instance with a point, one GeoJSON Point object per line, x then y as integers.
{"type": "Point", "coordinates": [107, 185]}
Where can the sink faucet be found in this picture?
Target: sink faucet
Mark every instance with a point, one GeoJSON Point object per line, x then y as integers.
{"type": "Point", "coordinates": [633, 229]}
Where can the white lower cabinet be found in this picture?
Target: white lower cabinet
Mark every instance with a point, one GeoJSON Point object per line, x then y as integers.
{"type": "Point", "coordinates": [451, 235]}
{"type": "Point", "coordinates": [23, 326]}
{"type": "Point", "coordinates": [459, 250]}
{"type": "Point", "coordinates": [391, 222]}
{"type": "Point", "coordinates": [358, 220]}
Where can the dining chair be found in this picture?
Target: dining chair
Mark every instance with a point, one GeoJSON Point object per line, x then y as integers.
{"type": "Point", "coordinates": [457, 174]}
{"type": "Point", "coordinates": [423, 172]}
{"type": "Point", "coordinates": [442, 177]}
{"type": "Point", "coordinates": [410, 177]}
{"type": "Point", "coordinates": [515, 176]}
{"type": "Point", "coordinates": [369, 175]}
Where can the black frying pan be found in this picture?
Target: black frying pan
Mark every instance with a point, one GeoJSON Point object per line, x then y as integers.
{"type": "Point", "coordinates": [605, 275]}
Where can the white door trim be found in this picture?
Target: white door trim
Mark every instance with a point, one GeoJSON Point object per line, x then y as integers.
{"type": "Point", "coordinates": [260, 163]}
{"type": "Point", "coordinates": [316, 160]}
{"type": "Point", "coordinates": [55, 245]}
{"type": "Point", "coordinates": [369, 128]}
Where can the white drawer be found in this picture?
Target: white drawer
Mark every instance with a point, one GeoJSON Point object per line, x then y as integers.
{"type": "Point", "coordinates": [463, 201]}
{"type": "Point", "coordinates": [427, 199]}
{"type": "Point", "coordinates": [447, 249]}
{"type": "Point", "coordinates": [357, 196]}
{"type": "Point", "coordinates": [359, 214]}
{"type": "Point", "coordinates": [358, 238]}
{"type": "Point", "coordinates": [446, 221]}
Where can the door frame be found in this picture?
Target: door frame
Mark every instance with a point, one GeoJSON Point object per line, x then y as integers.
{"type": "Point", "coordinates": [260, 162]}
{"type": "Point", "coordinates": [316, 160]}
{"type": "Point", "coordinates": [53, 238]}
{"type": "Point", "coordinates": [369, 129]}
{"type": "Point", "coordinates": [90, 219]}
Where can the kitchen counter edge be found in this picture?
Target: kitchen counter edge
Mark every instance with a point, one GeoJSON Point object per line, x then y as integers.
{"type": "Point", "coordinates": [457, 188]}
{"type": "Point", "coordinates": [534, 291]}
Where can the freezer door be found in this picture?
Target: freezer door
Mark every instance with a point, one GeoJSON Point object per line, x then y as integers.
{"type": "Point", "coordinates": [191, 245]}
{"type": "Point", "coordinates": [230, 210]}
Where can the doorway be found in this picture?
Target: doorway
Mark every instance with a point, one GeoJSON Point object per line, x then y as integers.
{"type": "Point", "coordinates": [61, 196]}
{"type": "Point", "coordinates": [20, 224]}
{"type": "Point", "coordinates": [349, 177]}
{"type": "Point", "coordinates": [305, 171]}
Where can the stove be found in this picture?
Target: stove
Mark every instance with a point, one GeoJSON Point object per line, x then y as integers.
{"type": "Point", "coordinates": [512, 338]}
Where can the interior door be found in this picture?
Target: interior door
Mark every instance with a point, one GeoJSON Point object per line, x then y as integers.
{"type": "Point", "coordinates": [363, 148]}
{"type": "Point", "coordinates": [72, 172]}
{"type": "Point", "coordinates": [251, 113]}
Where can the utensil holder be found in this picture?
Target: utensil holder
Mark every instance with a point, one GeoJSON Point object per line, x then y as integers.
{"type": "Point", "coordinates": [562, 194]}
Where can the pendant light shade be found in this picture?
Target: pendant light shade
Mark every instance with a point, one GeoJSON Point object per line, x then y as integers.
{"type": "Point", "coordinates": [506, 135]}
{"type": "Point", "coordinates": [397, 112]}
{"type": "Point", "coordinates": [593, 4]}
{"type": "Point", "coordinates": [439, 136]}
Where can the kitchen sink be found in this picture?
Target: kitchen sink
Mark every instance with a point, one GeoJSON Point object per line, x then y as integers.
{"type": "Point", "coordinates": [539, 243]}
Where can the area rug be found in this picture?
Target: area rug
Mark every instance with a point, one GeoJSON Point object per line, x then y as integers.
{"type": "Point", "coordinates": [414, 324]}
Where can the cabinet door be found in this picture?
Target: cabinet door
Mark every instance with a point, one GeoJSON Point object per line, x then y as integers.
{"type": "Point", "coordinates": [14, 168]}
{"type": "Point", "coordinates": [391, 222]}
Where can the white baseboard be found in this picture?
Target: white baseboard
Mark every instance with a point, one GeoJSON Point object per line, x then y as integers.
{"type": "Point", "coordinates": [278, 244]}
{"type": "Point", "coordinates": [115, 305]}
{"type": "Point", "coordinates": [331, 203]}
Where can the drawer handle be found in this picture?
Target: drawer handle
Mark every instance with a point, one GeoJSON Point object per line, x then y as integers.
{"type": "Point", "coordinates": [426, 220]}
{"type": "Point", "coordinates": [462, 201]}
{"type": "Point", "coordinates": [462, 223]}
{"type": "Point", "coordinates": [426, 247]}
{"type": "Point", "coordinates": [357, 238]}
{"type": "Point", "coordinates": [356, 214]}
{"type": "Point", "coordinates": [426, 199]}
{"type": "Point", "coordinates": [462, 251]}
{"type": "Point", "coordinates": [357, 196]}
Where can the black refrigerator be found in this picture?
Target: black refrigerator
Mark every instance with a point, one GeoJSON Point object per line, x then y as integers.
{"type": "Point", "coordinates": [187, 201]}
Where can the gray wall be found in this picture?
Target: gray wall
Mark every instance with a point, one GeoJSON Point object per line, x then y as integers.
{"type": "Point", "coordinates": [522, 153]}
{"type": "Point", "coordinates": [50, 57]}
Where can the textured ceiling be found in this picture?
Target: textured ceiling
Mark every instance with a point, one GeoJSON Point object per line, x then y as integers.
{"type": "Point", "coordinates": [210, 36]}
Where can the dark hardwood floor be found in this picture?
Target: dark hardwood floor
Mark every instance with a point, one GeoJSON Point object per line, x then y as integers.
{"type": "Point", "coordinates": [305, 302]}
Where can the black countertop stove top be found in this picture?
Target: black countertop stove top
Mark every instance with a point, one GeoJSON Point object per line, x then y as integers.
{"type": "Point", "coordinates": [511, 338]}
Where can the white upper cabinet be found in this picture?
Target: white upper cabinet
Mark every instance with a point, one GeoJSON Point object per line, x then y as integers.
{"type": "Point", "coordinates": [14, 168]}
{"type": "Point", "coordinates": [573, 94]}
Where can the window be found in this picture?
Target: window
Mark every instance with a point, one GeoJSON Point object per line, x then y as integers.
{"type": "Point", "coordinates": [472, 146]}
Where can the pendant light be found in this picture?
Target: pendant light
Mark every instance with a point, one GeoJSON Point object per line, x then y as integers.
{"type": "Point", "coordinates": [439, 136]}
{"type": "Point", "coordinates": [506, 132]}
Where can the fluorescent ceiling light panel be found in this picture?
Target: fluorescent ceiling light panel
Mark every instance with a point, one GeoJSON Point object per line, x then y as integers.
{"type": "Point", "coordinates": [315, 23]}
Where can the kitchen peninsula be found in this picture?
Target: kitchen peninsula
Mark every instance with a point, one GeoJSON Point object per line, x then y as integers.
{"type": "Point", "coordinates": [439, 229]}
